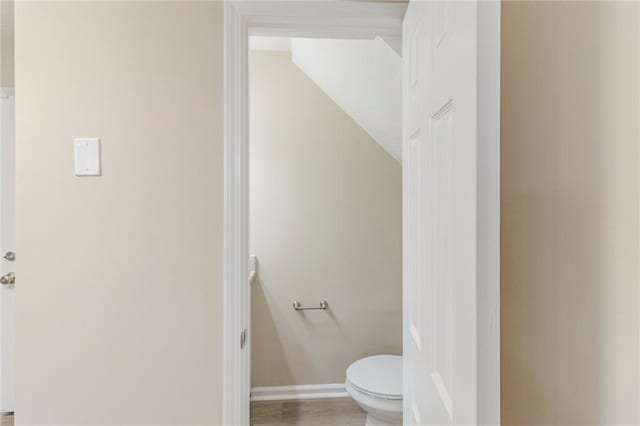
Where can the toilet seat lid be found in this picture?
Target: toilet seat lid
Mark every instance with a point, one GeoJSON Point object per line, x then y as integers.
{"type": "Point", "coordinates": [379, 375]}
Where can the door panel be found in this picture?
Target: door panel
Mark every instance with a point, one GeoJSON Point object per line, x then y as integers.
{"type": "Point", "coordinates": [441, 190]}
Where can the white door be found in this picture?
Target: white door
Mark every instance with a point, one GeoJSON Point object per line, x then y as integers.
{"type": "Point", "coordinates": [7, 266]}
{"type": "Point", "coordinates": [451, 212]}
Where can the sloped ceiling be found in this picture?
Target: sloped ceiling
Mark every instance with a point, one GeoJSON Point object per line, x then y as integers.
{"type": "Point", "coordinates": [363, 77]}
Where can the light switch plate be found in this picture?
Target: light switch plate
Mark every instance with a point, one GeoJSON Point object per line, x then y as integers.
{"type": "Point", "coordinates": [87, 156]}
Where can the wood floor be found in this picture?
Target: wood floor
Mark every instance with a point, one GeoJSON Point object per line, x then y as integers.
{"type": "Point", "coordinates": [309, 412]}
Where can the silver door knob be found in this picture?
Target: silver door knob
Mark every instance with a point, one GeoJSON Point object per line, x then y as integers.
{"type": "Point", "coordinates": [10, 256]}
{"type": "Point", "coordinates": [7, 279]}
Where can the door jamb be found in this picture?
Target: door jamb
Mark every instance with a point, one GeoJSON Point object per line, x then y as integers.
{"type": "Point", "coordinates": [488, 211]}
{"type": "Point", "coordinates": [358, 20]}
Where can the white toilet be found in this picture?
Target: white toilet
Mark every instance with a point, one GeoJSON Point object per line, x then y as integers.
{"type": "Point", "coordinates": [375, 384]}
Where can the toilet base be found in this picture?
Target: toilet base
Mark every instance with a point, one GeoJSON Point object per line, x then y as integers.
{"type": "Point", "coordinates": [374, 421]}
{"type": "Point", "coordinates": [380, 412]}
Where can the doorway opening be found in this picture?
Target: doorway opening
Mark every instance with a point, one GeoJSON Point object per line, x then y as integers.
{"type": "Point", "coordinates": [325, 229]}
{"type": "Point", "coordinates": [450, 197]}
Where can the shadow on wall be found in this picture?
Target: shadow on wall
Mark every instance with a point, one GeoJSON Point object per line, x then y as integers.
{"type": "Point", "coordinates": [569, 213]}
{"type": "Point", "coordinates": [262, 318]}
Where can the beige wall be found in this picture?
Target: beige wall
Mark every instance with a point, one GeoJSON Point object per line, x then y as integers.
{"type": "Point", "coordinates": [326, 207]}
{"type": "Point", "coordinates": [570, 213]}
{"type": "Point", "coordinates": [142, 244]}
{"type": "Point", "coordinates": [120, 282]}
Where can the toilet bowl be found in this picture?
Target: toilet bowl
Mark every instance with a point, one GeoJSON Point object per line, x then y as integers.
{"type": "Point", "coordinates": [375, 384]}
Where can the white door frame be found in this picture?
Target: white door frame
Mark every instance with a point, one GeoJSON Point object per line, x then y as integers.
{"type": "Point", "coordinates": [7, 293]}
{"type": "Point", "coordinates": [284, 18]}
{"type": "Point", "coordinates": [335, 19]}
{"type": "Point", "coordinates": [488, 212]}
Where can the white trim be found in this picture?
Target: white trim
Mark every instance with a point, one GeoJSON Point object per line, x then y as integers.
{"type": "Point", "coordinates": [281, 393]}
{"type": "Point", "coordinates": [323, 19]}
{"type": "Point", "coordinates": [235, 276]}
{"type": "Point", "coordinates": [488, 212]}
{"type": "Point", "coordinates": [363, 19]}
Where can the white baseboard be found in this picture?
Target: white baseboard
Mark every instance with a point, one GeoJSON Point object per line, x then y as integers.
{"type": "Point", "coordinates": [276, 393]}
